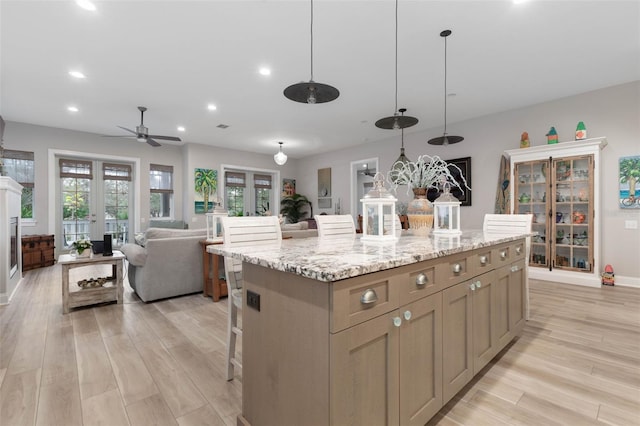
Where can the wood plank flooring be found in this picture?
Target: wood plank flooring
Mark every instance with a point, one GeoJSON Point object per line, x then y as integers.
{"type": "Point", "coordinates": [577, 363]}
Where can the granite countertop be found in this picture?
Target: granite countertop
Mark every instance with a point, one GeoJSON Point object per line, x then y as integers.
{"type": "Point", "coordinates": [338, 259]}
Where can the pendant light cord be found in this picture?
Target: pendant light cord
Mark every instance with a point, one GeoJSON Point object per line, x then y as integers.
{"type": "Point", "coordinates": [311, 40]}
{"type": "Point", "coordinates": [396, 104]}
{"type": "Point", "coordinates": [445, 86]}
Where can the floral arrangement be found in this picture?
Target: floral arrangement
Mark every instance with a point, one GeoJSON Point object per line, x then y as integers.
{"type": "Point", "coordinates": [426, 172]}
{"type": "Point", "coordinates": [82, 245]}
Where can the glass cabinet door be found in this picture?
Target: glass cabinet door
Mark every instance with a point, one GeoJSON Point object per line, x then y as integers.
{"type": "Point", "coordinates": [572, 213]}
{"type": "Point", "coordinates": [531, 188]}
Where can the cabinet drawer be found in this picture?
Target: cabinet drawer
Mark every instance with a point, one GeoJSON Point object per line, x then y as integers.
{"type": "Point", "coordinates": [454, 269]}
{"type": "Point", "coordinates": [507, 253]}
{"type": "Point", "coordinates": [483, 260]}
{"type": "Point", "coordinates": [419, 281]}
{"type": "Point", "coordinates": [359, 299]}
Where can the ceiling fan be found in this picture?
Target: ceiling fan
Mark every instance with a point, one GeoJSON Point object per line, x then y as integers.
{"type": "Point", "coordinates": [368, 172]}
{"type": "Point", "coordinates": [142, 133]}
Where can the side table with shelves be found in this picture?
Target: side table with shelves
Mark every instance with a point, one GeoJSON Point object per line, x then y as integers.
{"type": "Point", "coordinates": [213, 281]}
{"type": "Point", "coordinates": [73, 296]}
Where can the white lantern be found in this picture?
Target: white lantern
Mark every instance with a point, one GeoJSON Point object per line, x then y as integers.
{"type": "Point", "coordinates": [379, 213]}
{"type": "Point", "coordinates": [214, 224]}
{"type": "Point", "coordinates": [446, 213]}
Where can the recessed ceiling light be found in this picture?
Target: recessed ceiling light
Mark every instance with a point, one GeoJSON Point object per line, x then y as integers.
{"type": "Point", "coordinates": [86, 5]}
{"type": "Point", "coordinates": [212, 107]}
{"type": "Point", "coordinates": [181, 129]}
{"type": "Point", "coordinates": [72, 109]}
{"type": "Point", "coordinates": [264, 71]}
{"type": "Point", "coordinates": [77, 74]}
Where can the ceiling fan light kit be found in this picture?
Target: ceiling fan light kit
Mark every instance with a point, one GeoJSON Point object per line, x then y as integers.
{"type": "Point", "coordinates": [280, 157]}
{"type": "Point", "coordinates": [311, 92]}
{"type": "Point", "coordinates": [445, 139]}
{"type": "Point", "coordinates": [396, 121]}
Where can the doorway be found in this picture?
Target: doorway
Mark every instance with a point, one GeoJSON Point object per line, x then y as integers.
{"type": "Point", "coordinates": [362, 173]}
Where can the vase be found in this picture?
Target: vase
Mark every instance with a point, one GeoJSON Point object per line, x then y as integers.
{"type": "Point", "coordinates": [85, 253]}
{"type": "Point", "coordinates": [420, 213]}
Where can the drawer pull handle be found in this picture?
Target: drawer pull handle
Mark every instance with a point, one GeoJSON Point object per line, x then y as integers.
{"type": "Point", "coordinates": [397, 321]}
{"type": "Point", "coordinates": [483, 260]}
{"type": "Point", "coordinates": [421, 279]}
{"type": "Point", "coordinates": [503, 255]}
{"type": "Point", "coordinates": [407, 315]}
{"type": "Point", "coordinates": [472, 286]}
{"type": "Point", "coordinates": [518, 250]}
{"type": "Point", "coordinates": [457, 268]}
{"type": "Point", "coordinates": [369, 297]}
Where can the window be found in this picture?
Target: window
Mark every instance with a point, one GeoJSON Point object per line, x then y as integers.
{"type": "Point", "coordinates": [262, 185]}
{"type": "Point", "coordinates": [76, 176]}
{"type": "Point", "coordinates": [116, 178]}
{"type": "Point", "coordinates": [234, 186]}
{"type": "Point", "coordinates": [161, 188]}
{"type": "Point", "coordinates": [19, 165]}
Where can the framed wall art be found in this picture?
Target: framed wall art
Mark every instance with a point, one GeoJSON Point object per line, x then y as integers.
{"type": "Point", "coordinates": [464, 194]}
{"type": "Point", "coordinates": [629, 175]}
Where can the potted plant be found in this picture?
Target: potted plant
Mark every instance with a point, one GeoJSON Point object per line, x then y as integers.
{"type": "Point", "coordinates": [80, 246]}
{"type": "Point", "coordinates": [292, 205]}
{"type": "Point", "coordinates": [427, 172]}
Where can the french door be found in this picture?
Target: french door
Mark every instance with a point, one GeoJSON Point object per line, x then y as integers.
{"type": "Point", "coordinates": [96, 198]}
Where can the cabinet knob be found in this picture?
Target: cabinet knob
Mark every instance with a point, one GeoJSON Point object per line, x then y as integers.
{"type": "Point", "coordinates": [478, 284]}
{"type": "Point", "coordinates": [503, 255]}
{"type": "Point", "coordinates": [397, 321]}
{"type": "Point", "coordinates": [483, 260]}
{"type": "Point", "coordinates": [457, 268]}
{"type": "Point", "coordinates": [407, 315]}
{"type": "Point", "coordinates": [514, 268]}
{"type": "Point", "coordinates": [518, 250]}
{"type": "Point", "coordinates": [472, 286]}
{"type": "Point", "coordinates": [369, 297]}
{"type": "Point", "coordinates": [421, 279]}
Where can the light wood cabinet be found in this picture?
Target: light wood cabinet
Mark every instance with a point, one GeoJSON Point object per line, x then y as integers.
{"type": "Point", "coordinates": [559, 185]}
{"type": "Point", "coordinates": [385, 348]}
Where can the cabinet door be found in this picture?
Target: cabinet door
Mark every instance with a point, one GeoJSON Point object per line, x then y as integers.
{"type": "Point", "coordinates": [421, 360]}
{"type": "Point", "coordinates": [517, 298]}
{"type": "Point", "coordinates": [483, 298]}
{"type": "Point", "coordinates": [364, 373]}
{"type": "Point", "coordinates": [457, 363]}
{"type": "Point", "coordinates": [572, 246]}
{"type": "Point", "coordinates": [534, 194]}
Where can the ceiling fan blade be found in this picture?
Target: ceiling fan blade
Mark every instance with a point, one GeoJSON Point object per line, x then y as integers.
{"type": "Point", "coordinates": [166, 138]}
{"type": "Point", "coordinates": [117, 136]}
{"type": "Point", "coordinates": [152, 142]}
{"type": "Point", "coordinates": [128, 130]}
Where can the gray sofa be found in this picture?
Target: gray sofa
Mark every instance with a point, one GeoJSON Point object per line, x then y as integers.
{"type": "Point", "coordinates": [166, 263]}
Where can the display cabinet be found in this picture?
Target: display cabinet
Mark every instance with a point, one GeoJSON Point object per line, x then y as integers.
{"type": "Point", "coordinates": [559, 185]}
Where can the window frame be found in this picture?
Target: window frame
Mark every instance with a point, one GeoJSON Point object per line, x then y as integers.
{"type": "Point", "coordinates": [14, 154]}
{"type": "Point", "coordinates": [159, 168]}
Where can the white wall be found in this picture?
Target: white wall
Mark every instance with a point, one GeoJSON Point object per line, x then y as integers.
{"type": "Point", "coordinates": [612, 112]}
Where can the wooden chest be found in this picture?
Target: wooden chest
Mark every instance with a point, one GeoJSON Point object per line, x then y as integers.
{"type": "Point", "coordinates": [37, 251]}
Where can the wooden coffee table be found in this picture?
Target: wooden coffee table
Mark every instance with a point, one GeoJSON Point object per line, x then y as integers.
{"type": "Point", "coordinates": [76, 296]}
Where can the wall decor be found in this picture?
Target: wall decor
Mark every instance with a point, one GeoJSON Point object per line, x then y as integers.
{"type": "Point", "coordinates": [288, 187]}
{"type": "Point", "coordinates": [464, 194]}
{"type": "Point", "coordinates": [205, 186]}
{"type": "Point", "coordinates": [324, 182]}
{"type": "Point", "coordinates": [629, 175]}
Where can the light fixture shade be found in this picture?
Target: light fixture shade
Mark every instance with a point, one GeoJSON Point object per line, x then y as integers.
{"type": "Point", "coordinates": [311, 92]}
{"type": "Point", "coordinates": [280, 157]}
{"type": "Point", "coordinates": [401, 161]}
{"type": "Point", "coordinates": [445, 139]}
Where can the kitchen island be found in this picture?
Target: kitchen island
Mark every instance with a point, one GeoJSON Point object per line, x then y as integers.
{"type": "Point", "coordinates": [352, 332]}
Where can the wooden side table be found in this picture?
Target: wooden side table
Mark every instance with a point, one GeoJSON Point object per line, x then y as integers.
{"type": "Point", "coordinates": [212, 284]}
{"type": "Point", "coordinates": [92, 295]}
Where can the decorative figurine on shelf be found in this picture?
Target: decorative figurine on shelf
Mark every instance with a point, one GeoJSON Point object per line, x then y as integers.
{"type": "Point", "coordinates": [552, 136]}
{"type": "Point", "coordinates": [524, 140]}
{"type": "Point", "coordinates": [608, 277]}
{"type": "Point", "coordinates": [581, 131]}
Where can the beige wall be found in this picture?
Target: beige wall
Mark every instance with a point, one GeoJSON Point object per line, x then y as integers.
{"type": "Point", "coordinates": [612, 112]}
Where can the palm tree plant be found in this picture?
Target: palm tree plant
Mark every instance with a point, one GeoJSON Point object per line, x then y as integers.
{"type": "Point", "coordinates": [206, 183]}
{"type": "Point", "coordinates": [291, 207]}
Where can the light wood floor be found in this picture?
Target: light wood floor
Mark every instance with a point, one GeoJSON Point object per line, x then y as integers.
{"type": "Point", "coordinates": [577, 363]}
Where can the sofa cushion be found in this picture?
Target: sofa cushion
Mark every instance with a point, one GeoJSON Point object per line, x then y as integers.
{"type": "Point", "coordinates": [172, 224]}
{"type": "Point", "coordinates": [135, 254]}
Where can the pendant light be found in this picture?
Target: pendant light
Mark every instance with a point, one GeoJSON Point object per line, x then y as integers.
{"type": "Point", "coordinates": [280, 157]}
{"type": "Point", "coordinates": [445, 139]}
{"type": "Point", "coordinates": [396, 121]}
{"type": "Point", "coordinates": [402, 159]}
{"type": "Point", "coordinates": [311, 92]}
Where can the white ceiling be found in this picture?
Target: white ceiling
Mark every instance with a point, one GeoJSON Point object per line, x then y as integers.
{"type": "Point", "coordinates": [175, 57]}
